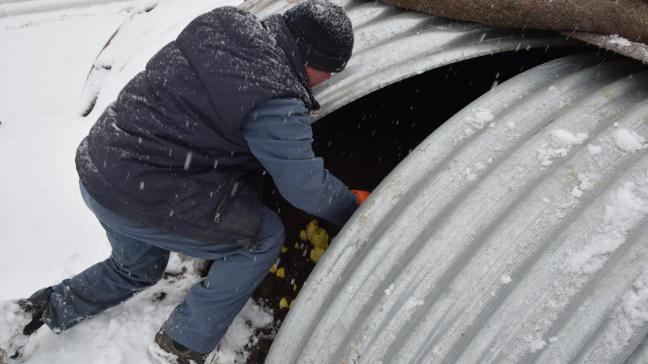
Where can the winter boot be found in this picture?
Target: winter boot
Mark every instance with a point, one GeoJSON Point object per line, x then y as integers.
{"type": "Point", "coordinates": [19, 319]}
{"type": "Point", "coordinates": [167, 351]}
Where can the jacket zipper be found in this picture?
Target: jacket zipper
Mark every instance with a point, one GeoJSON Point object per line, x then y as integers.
{"type": "Point", "coordinates": [221, 205]}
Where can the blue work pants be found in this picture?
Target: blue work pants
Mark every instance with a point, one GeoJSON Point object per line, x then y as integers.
{"type": "Point", "coordinates": [138, 259]}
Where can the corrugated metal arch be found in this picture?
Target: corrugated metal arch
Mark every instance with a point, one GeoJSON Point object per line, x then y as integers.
{"type": "Point", "coordinates": [392, 44]}
{"type": "Point", "coordinates": [500, 238]}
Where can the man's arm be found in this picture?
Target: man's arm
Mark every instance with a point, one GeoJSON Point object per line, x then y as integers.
{"type": "Point", "coordinates": [279, 135]}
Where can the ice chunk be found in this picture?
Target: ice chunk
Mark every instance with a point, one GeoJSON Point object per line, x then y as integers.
{"type": "Point", "coordinates": [618, 40]}
{"type": "Point", "coordinates": [389, 290]}
{"type": "Point", "coordinates": [584, 184]}
{"type": "Point", "coordinates": [629, 141]}
{"type": "Point", "coordinates": [566, 138]}
{"type": "Point", "coordinates": [481, 117]}
{"type": "Point", "coordinates": [560, 143]}
{"type": "Point", "coordinates": [413, 303]}
{"type": "Point", "coordinates": [623, 211]}
{"type": "Point", "coordinates": [536, 344]}
{"type": "Point", "coordinates": [594, 149]}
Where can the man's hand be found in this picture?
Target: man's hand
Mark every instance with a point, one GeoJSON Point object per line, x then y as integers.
{"type": "Point", "coordinates": [361, 195]}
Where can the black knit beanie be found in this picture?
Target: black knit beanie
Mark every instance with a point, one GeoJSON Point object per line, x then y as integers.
{"type": "Point", "coordinates": [323, 33]}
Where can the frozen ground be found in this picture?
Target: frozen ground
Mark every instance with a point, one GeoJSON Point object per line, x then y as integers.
{"type": "Point", "coordinates": [45, 230]}
{"type": "Point", "coordinates": [46, 233]}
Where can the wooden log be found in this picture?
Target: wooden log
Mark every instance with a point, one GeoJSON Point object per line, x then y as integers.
{"type": "Point", "coordinates": [627, 18]}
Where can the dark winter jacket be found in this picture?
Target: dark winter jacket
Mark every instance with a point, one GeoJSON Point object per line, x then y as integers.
{"type": "Point", "coordinates": [169, 151]}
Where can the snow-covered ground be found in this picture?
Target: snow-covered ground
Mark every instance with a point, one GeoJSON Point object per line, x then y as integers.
{"type": "Point", "coordinates": [46, 232]}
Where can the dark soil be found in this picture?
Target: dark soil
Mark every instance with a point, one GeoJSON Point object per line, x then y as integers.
{"type": "Point", "coordinates": [296, 262]}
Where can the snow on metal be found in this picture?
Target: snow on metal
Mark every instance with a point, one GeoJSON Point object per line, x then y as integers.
{"type": "Point", "coordinates": [614, 43]}
{"type": "Point", "coordinates": [392, 44]}
{"type": "Point", "coordinates": [515, 233]}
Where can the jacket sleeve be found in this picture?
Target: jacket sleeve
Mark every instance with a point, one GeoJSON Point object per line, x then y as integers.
{"type": "Point", "coordinates": [279, 135]}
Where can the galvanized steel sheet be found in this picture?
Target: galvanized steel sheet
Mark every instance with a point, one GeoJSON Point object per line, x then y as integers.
{"type": "Point", "coordinates": [392, 44]}
{"type": "Point", "coordinates": [515, 233]}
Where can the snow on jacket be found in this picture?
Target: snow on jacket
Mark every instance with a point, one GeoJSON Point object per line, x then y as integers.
{"type": "Point", "coordinates": [169, 151]}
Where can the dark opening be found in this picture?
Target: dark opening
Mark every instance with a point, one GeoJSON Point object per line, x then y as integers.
{"type": "Point", "coordinates": [364, 140]}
